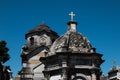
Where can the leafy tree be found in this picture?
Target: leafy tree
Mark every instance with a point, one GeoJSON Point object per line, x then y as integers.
{"type": "Point", "coordinates": [4, 56]}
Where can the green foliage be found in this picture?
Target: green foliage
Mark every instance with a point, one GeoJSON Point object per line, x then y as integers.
{"type": "Point", "coordinates": [4, 56]}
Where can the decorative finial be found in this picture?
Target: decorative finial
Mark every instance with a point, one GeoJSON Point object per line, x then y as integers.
{"type": "Point", "coordinates": [71, 15]}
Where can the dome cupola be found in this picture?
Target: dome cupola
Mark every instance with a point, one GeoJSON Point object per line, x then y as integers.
{"type": "Point", "coordinates": [41, 35]}
{"type": "Point", "coordinates": [72, 40]}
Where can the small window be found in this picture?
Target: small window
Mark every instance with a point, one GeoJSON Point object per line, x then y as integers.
{"type": "Point", "coordinates": [32, 40]}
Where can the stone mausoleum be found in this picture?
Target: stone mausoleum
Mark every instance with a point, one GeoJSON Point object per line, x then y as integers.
{"type": "Point", "coordinates": [46, 56]}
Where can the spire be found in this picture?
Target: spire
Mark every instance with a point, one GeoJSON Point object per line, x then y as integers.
{"type": "Point", "coordinates": [72, 23]}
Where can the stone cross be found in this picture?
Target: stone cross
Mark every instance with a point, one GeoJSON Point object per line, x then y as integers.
{"type": "Point", "coordinates": [72, 15]}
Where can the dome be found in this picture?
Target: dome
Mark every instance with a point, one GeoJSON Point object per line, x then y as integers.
{"type": "Point", "coordinates": [115, 68]}
{"type": "Point", "coordinates": [41, 29]}
{"type": "Point", "coordinates": [71, 41]}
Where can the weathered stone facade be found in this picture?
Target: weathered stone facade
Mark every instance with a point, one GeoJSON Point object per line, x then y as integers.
{"type": "Point", "coordinates": [46, 56]}
{"type": "Point", "coordinates": [114, 73]}
{"type": "Point", "coordinates": [72, 57]}
{"type": "Point", "coordinates": [39, 40]}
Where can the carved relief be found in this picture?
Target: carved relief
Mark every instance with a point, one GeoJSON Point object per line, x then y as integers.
{"type": "Point", "coordinates": [43, 40]}
{"type": "Point", "coordinates": [72, 41]}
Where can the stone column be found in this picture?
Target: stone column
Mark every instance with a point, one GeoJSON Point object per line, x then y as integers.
{"type": "Point", "coordinates": [93, 75]}
{"type": "Point", "coordinates": [64, 74]}
{"type": "Point", "coordinates": [47, 76]}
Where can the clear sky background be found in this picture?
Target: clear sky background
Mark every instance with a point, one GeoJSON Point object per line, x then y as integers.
{"type": "Point", "coordinates": [98, 20]}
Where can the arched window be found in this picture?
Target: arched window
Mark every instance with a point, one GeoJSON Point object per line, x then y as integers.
{"type": "Point", "coordinates": [32, 40]}
{"type": "Point", "coordinates": [81, 77]}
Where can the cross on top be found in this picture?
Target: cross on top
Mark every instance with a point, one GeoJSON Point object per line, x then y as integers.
{"type": "Point", "coordinates": [71, 15]}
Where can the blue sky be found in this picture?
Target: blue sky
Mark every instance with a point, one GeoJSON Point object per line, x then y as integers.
{"type": "Point", "coordinates": [98, 20]}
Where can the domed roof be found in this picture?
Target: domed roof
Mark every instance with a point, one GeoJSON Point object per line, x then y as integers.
{"type": "Point", "coordinates": [71, 41]}
{"type": "Point", "coordinates": [39, 29]}
{"type": "Point", "coordinates": [114, 68]}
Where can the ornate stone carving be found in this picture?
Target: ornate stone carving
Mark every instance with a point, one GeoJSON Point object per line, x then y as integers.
{"type": "Point", "coordinates": [43, 40]}
{"type": "Point", "coordinates": [72, 41]}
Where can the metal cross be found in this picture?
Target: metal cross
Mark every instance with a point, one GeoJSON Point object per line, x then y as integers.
{"type": "Point", "coordinates": [72, 15]}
